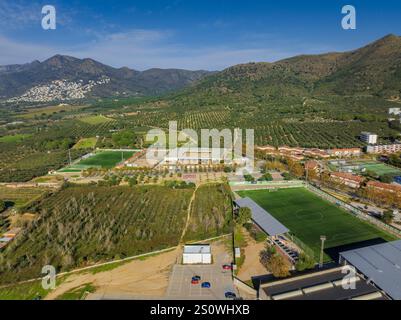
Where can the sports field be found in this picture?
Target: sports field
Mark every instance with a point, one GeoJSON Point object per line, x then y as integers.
{"type": "Point", "coordinates": [381, 169]}
{"type": "Point", "coordinates": [308, 217]}
{"type": "Point", "coordinates": [107, 159]}
{"type": "Point", "coordinates": [378, 168]}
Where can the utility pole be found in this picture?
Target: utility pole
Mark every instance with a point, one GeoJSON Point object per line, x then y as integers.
{"type": "Point", "coordinates": [323, 239]}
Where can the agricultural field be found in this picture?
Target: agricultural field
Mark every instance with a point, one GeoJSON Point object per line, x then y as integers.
{"type": "Point", "coordinates": [82, 225]}
{"type": "Point", "coordinates": [46, 111]}
{"type": "Point", "coordinates": [20, 197]}
{"type": "Point", "coordinates": [308, 217]}
{"type": "Point", "coordinates": [211, 212]}
{"type": "Point", "coordinates": [95, 120]}
{"type": "Point", "coordinates": [34, 165]}
{"type": "Point", "coordinates": [86, 143]}
{"type": "Point", "coordinates": [106, 159]}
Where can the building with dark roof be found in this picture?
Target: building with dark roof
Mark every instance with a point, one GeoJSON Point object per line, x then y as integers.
{"type": "Point", "coordinates": [380, 264]}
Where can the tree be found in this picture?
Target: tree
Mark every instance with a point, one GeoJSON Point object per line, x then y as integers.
{"type": "Point", "coordinates": [274, 262]}
{"type": "Point", "coordinates": [388, 216]}
{"type": "Point", "coordinates": [124, 138]}
{"type": "Point", "coordinates": [244, 215]}
{"type": "Point", "coordinates": [266, 177]}
{"type": "Point", "coordinates": [2, 206]}
{"type": "Point", "coordinates": [386, 178]}
{"type": "Point", "coordinates": [305, 262]}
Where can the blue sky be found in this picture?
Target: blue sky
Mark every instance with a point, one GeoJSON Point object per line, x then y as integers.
{"type": "Point", "coordinates": [190, 34]}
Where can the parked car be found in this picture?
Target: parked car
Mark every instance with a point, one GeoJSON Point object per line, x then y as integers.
{"type": "Point", "coordinates": [230, 295]}
{"type": "Point", "coordinates": [194, 281]}
{"type": "Point", "coordinates": [227, 267]}
{"type": "Point", "coordinates": [206, 285]}
{"type": "Point", "coordinates": [196, 278]}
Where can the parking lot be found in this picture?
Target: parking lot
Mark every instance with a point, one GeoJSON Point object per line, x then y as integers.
{"type": "Point", "coordinates": [180, 286]}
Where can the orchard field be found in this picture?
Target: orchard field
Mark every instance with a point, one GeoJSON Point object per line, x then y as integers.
{"type": "Point", "coordinates": [82, 225]}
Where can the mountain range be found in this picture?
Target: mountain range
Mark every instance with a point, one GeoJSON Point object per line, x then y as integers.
{"type": "Point", "coordinates": [371, 70]}
{"type": "Point", "coordinates": [15, 80]}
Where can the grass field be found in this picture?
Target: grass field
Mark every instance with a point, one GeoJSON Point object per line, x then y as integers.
{"type": "Point", "coordinates": [14, 138]}
{"type": "Point", "coordinates": [30, 113]}
{"type": "Point", "coordinates": [381, 169]}
{"type": "Point", "coordinates": [376, 167]}
{"type": "Point", "coordinates": [106, 159]}
{"type": "Point", "coordinates": [21, 196]}
{"type": "Point", "coordinates": [94, 120]}
{"type": "Point", "coordinates": [86, 143]}
{"type": "Point", "coordinates": [308, 217]}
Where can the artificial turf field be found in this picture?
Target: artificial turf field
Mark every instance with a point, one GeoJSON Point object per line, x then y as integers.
{"type": "Point", "coordinates": [308, 217]}
{"type": "Point", "coordinates": [106, 159]}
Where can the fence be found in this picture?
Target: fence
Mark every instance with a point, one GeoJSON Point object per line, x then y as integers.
{"type": "Point", "coordinates": [307, 250]}
{"type": "Point", "coordinates": [349, 208]}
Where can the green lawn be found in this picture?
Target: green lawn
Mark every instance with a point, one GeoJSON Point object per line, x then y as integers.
{"type": "Point", "coordinates": [308, 217]}
{"type": "Point", "coordinates": [14, 138]}
{"type": "Point", "coordinates": [26, 291]}
{"type": "Point", "coordinates": [86, 143]}
{"type": "Point", "coordinates": [381, 169]}
{"type": "Point", "coordinates": [107, 159]}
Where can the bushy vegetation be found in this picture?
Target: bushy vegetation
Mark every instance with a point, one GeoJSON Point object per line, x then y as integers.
{"type": "Point", "coordinates": [82, 225]}
{"type": "Point", "coordinates": [211, 212]}
{"type": "Point", "coordinates": [275, 262]}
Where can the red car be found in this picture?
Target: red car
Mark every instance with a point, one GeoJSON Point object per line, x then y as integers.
{"type": "Point", "coordinates": [227, 267]}
{"type": "Point", "coordinates": [194, 281]}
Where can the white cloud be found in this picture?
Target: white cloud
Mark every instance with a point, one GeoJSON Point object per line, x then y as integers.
{"type": "Point", "coordinates": [15, 14]}
{"type": "Point", "coordinates": [142, 49]}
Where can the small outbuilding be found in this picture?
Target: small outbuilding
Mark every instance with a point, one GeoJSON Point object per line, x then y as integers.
{"type": "Point", "coordinates": [197, 254]}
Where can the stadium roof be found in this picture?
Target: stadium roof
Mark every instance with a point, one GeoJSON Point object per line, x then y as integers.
{"type": "Point", "coordinates": [381, 263]}
{"type": "Point", "coordinates": [262, 218]}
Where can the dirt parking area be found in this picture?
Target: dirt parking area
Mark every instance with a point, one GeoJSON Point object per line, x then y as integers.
{"type": "Point", "coordinates": [138, 279]}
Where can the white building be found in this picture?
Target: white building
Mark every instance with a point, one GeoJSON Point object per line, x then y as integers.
{"type": "Point", "coordinates": [193, 157]}
{"type": "Point", "coordinates": [394, 111]}
{"type": "Point", "coordinates": [369, 138]}
{"type": "Point", "coordinates": [197, 254]}
{"type": "Point", "coordinates": [386, 148]}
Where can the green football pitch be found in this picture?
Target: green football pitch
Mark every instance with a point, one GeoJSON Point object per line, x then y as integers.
{"type": "Point", "coordinates": [106, 159]}
{"type": "Point", "coordinates": [308, 217]}
{"type": "Point", "coordinates": [381, 169]}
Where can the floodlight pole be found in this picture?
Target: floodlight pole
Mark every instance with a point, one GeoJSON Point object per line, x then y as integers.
{"type": "Point", "coordinates": [323, 239]}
